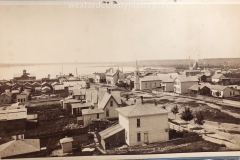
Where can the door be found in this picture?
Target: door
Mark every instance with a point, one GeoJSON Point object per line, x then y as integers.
{"type": "Point", "coordinates": [145, 137]}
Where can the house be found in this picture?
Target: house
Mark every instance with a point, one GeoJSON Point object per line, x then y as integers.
{"type": "Point", "coordinates": [23, 97]}
{"type": "Point", "coordinates": [76, 108]}
{"type": "Point", "coordinates": [22, 147]}
{"type": "Point", "coordinates": [79, 94]}
{"type": "Point", "coordinates": [24, 76]}
{"type": "Point", "coordinates": [91, 113]}
{"type": "Point", "coordinates": [46, 89]}
{"type": "Point", "coordinates": [27, 85]}
{"type": "Point", "coordinates": [5, 98]}
{"type": "Point", "coordinates": [150, 82]}
{"type": "Point", "coordinates": [58, 88]}
{"type": "Point", "coordinates": [219, 78]}
{"type": "Point", "coordinates": [134, 126]}
{"type": "Point", "coordinates": [112, 76]}
{"type": "Point", "coordinates": [192, 72]}
{"type": "Point", "coordinates": [55, 83]}
{"type": "Point", "coordinates": [66, 103]}
{"type": "Point", "coordinates": [82, 84]}
{"type": "Point", "coordinates": [223, 91]}
{"type": "Point", "coordinates": [199, 90]}
{"type": "Point", "coordinates": [36, 84]}
{"type": "Point", "coordinates": [167, 81]}
{"type": "Point", "coordinates": [5, 87]}
{"type": "Point", "coordinates": [109, 104]}
{"type": "Point", "coordinates": [182, 83]}
{"type": "Point", "coordinates": [45, 84]}
{"type": "Point", "coordinates": [13, 117]}
{"type": "Point", "coordinates": [100, 77]}
{"type": "Point", "coordinates": [66, 144]}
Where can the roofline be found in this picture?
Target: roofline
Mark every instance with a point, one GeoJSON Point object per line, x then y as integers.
{"type": "Point", "coordinates": [109, 99]}
{"type": "Point", "coordinates": [143, 115]}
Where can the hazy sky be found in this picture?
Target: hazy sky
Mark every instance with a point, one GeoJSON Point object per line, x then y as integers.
{"type": "Point", "coordinates": [50, 33]}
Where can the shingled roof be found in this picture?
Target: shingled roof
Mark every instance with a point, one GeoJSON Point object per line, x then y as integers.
{"type": "Point", "coordinates": [140, 109]}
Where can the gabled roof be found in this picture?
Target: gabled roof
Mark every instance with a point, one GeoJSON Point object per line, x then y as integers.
{"type": "Point", "coordinates": [55, 83]}
{"type": "Point", "coordinates": [17, 147]}
{"type": "Point", "coordinates": [112, 72]}
{"type": "Point", "coordinates": [6, 94]}
{"type": "Point", "coordinates": [195, 87]}
{"type": "Point", "coordinates": [218, 76]}
{"type": "Point", "coordinates": [110, 131]}
{"type": "Point", "coordinates": [117, 96]}
{"type": "Point", "coordinates": [66, 140]}
{"type": "Point", "coordinates": [184, 78]}
{"type": "Point", "coordinates": [218, 87]}
{"type": "Point", "coordinates": [105, 100]}
{"type": "Point", "coordinates": [150, 78]}
{"type": "Point", "coordinates": [45, 83]}
{"type": "Point", "coordinates": [46, 88]}
{"type": "Point", "coordinates": [92, 111]}
{"type": "Point", "coordinates": [140, 109]}
{"type": "Point", "coordinates": [165, 77]}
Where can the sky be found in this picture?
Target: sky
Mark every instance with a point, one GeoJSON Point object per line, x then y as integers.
{"type": "Point", "coordinates": [59, 33]}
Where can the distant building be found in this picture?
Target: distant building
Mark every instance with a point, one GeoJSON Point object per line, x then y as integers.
{"type": "Point", "coordinates": [13, 117]}
{"type": "Point", "coordinates": [182, 83]}
{"type": "Point", "coordinates": [5, 98]}
{"type": "Point", "coordinates": [22, 97]}
{"type": "Point", "coordinates": [100, 77]}
{"type": "Point", "coordinates": [199, 90]}
{"type": "Point", "coordinates": [24, 76]}
{"type": "Point", "coordinates": [112, 76]}
{"type": "Point", "coordinates": [91, 113]}
{"type": "Point", "coordinates": [219, 78]}
{"type": "Point", "coordinates": [150, 82]}
{"type": "Point", "coordinates": [223, 91]}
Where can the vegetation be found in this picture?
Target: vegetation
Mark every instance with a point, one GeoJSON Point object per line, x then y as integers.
{"type": "Point", "coordinates": [187, 114]}
{"type": "Point", "coordinates": [175, 110]}
{"type": "Point", "coordinates": [199, 118]}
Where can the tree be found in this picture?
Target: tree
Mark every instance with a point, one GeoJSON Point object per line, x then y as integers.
{"type": "Point", "coordinates": [175, 110]}
{"type": "Point", "coordinates": [199, 118]}
{"type": "Point", "coordinates": [187, 114]}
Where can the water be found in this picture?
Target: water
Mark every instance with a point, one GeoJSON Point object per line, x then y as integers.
{"type": "Point", "coordinates": [42, 71]}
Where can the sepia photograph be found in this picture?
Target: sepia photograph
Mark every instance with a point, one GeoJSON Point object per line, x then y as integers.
{"type": "Point", "coordinates": [119, 79]}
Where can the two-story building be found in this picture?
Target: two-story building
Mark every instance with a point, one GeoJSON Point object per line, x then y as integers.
{"type": "Point", "coordinates": [138, 124]}
{"type": "Point", "coordinates": [5, 98]}
{"type": "Point", "coordinates": [100, 77]}
{"type": "Point", "coordinates": [182, 83]}
{"type": "Point", "coordinates": [150, 83]}
{"type": "Point", "coordinates": [112, 76]}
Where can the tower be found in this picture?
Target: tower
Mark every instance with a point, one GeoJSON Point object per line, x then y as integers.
{"type": "Point", "coordinates": [136, 79]}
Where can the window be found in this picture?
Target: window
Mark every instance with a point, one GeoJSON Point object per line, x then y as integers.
{"type": "Point", "coordinates": [138, 137]}
{"type": "Point", "coordinates": [6, 100]}
{"type": "Point", "coordinates": [233, 92]}
{"type": "Point", "coordinates": [138, 123]}
{"type": "Point", "coordinates": [145, 85]}
{"type": "Point", "coordinates": [18, 100]}
{"type": "Point", "coordinates": [111, 103]}
{"type": "Point", "coordinates": [230, 93]}
{"type": "Point", "coordinates": [107, 113]}
{"type": "Point", "coordinates": [97, 115]}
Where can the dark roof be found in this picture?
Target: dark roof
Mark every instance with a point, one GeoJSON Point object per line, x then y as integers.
{"type": "Point", "coordinates": [196, 87]}
{"type": "Point", "coordinates": [218, 76]}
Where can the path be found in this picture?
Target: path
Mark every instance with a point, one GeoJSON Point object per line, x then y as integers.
{"type": "Point", "coordinates": [225, 111]}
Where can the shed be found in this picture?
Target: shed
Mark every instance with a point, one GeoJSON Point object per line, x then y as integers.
{"type": "Point", "coordinates": [66, 144]}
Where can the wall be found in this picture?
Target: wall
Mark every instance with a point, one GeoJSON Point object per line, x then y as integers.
{"type": "Point", "coordinates": [113, 113]}
{"type": "Point", "coordinates": [149, 124]}
{"type": "Point", "coordinates": [67, 147]}
{"type": "Point", "coordinates": [5, 99]}
{"type": "Point", "coordinates": [124, 122]}
{"type": "Point", "coordinates": [185, 86]}
{"type": "Point", "coordinates": [150, 84]}
{"type": "Point", "coordinates": [168, 86]}
{"type": "Point", "coordinates": [115, 140]}
{"type": "Point", "coordinates": [22, 98]}
{"type": "Point", "coordinates": [88, 117]}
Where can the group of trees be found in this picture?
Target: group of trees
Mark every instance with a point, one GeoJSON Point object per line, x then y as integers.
{"type": "Point", "coordinates": [187, 115]}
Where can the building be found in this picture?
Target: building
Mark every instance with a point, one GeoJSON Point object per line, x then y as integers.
{"type": "Point", "coordinates": [109, 104]}
{"type": "Point", "coordinates": [24, 76]}
{"type": "Point", "coordinates": [112, 137]}
{"type": "Point", "coordinates": [5, 98]}
{"type": "Point", "coordinates": [219, 78]}
{"type": "Point", "coordinates": [82, 84]}
{"type": "Point", "coordinates": [13, 117]}
{"type": "Point", "coordinates": [66, 144]}
{"type": "Point", "coordinates": [45, 84]}
{"type": "Point", "coordinates": [79, 94]}
{"type": "Point", "coordinates": [91, 113]}
{"type": "Point", "coordinates": [223, 91]}
{"type": "Point", "coordinates": [22, 147]}
{"type": "Point", "coordinates": [199, 90]}
{"type": "Point", "coordinates": [191, 72]}
{"type": "Point", "coordinates": [66, 103]}
{"type": "Point", "coordinates": [112, 76]}
{"type": "Point", "coordinates": [136, 121]}
{"type": "Point", "coordinates": [46, 89]}
{"type": "Point", "coordinates": [22, 97]}
{"type": "Point", "coordinates": [167, 81]}
{"type": "Point", "coordinates": [5, 87]}
{"type": "Point", "coordinates": [182, 83]}
{"type": "Point", "coordinates": [150, 83]}
{"type": "Point", "coordinates": [76, 108]}
{"type": "Point", "coordinates": [59, 88]}
{"type": "Point", "coordinates": [100, 77]}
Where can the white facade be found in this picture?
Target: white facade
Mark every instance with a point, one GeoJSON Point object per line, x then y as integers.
{"type": "Point", "coordinates": [182, 87]}
{"type": "Point", "coordinates": [150, 130]}
{"type": "Point", "coordinates": [149, 85]}
{"type": "Point", "coordinates": [227, 92]}
{"type": "Point", "coordinates": [110, 109]}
